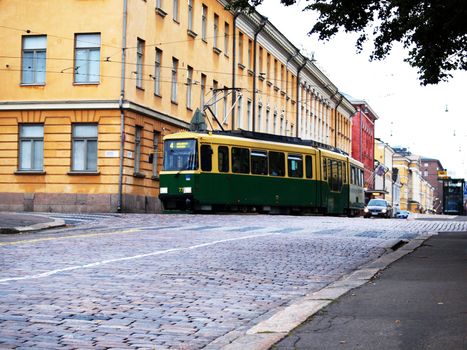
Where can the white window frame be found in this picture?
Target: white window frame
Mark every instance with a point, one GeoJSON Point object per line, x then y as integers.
{"type": "Point", "coordinates": [36, 142]}
{"type": "Point", "coordinates": [204, 22]}
{"type": "Point", "coordinates": [174, 80]}
{"type": "Point", "coordinates": [87, 140]}
{"type": "Point", "coordinates": [189, 84]}
{"type": "Point", "coordinates": [87, 44]}
{"type": "Point", "coordinates": [139, 62]}
{"type": "Point", "coordinates": [37, 46]}
{"type": "Point", "coordinates": [157, 72]}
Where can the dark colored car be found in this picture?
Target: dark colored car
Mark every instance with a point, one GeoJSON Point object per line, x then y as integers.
{"type": "Point", "coordinates": [402, 214]}
{"type": "Point", "coordinates": [378, 208]}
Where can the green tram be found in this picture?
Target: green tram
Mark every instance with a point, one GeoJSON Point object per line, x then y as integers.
{"type": "Point", "coordinates": [229, 171]}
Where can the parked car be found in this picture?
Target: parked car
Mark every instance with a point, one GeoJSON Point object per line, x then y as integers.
{"type": "Point", "coordinates": [402, 214]}
{"type": "Point", "coordinates": [378, 208]}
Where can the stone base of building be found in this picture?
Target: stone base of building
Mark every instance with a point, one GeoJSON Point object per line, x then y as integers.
{"type": "Point", "coordinates": [77, 203]}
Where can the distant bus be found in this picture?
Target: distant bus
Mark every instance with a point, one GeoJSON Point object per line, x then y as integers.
{"type": "Point", "coordinates": [453, 195]}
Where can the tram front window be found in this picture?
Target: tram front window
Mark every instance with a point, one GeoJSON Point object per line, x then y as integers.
{"type": "Point", "coordinates": [180, 155]}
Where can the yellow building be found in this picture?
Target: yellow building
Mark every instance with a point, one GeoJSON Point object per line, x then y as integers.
{"type": "Point", "coordinates": [416, 194]}
{"type": "Point", "coordinates": [90, 88]}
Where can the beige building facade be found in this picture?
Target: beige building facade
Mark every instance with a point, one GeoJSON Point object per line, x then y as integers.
{"type": "Point", "coordinates": [86, 100]}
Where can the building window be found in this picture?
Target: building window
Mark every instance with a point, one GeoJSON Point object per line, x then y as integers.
{"type": "Point", "coordinates": [155, 157]}
{"type": "Point", "coordinates": [216, 29]}
{"type": "Point", "coordinates": [139, 63]}
{"type": "Point", "coordinates": [175, 10]}
{"type": "Point", "coordinates": [158, 4]}
{"type": "Point", "coordinates": [189, 83]}
{"type": "Point", "coordinates": [226, 38]}
{"type": "Point", "coordinates": [250, 54]}
{"type": "Point", "coordinates": [174, 79]}
{"type": "Point", "coordinates": [240, 48]}
{"type": "Point", "coordinates": [248, 111]}
{"type": "Point", "coordinates": [87, 58]}
{"type": "Point", "coordinates": [240, 112]}
{"type": "Point", "coordinates": [138, 132]}
{"type": "Point", "coordinates": [157, 73]}
{"type": "Point", "coordinates": [31, 147]}
{"type": "Point", "coordinates": [225, 105]}
{"type": "Point", "coordinates": [190, 15]}
{"type": "Point", "coordinates": [203, 91]}
{"type": "Point", "coordinates": [268, 66]}
{"type": "Point", "coordinates": [33, 64]}
{"type": "Point", "coordinates": [215, 91]}
{"type": "Point", "coordinates": [204, 22]}
{"type": "Point", "coordinates": [260, 62]}
{"type": "Point", "coordinates": [260, 114]}
{"type": "Point", "coordinates": [268, 117]}
{"type": "Point", "coordinates": [84, 144]}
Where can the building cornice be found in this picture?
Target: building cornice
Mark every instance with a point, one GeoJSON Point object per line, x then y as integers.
{"type": "Point", "coordinates": [89, 105]}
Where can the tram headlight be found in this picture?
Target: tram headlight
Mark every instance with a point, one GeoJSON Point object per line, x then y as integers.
{"type": "Point", "coordinates": [186, 189]}
{"type": "Point", "coordinates": [384, 211]}
{"type": "Point", "coordinates": [164, 190]}
{"type": "Point", "coordinates": [365, 210]}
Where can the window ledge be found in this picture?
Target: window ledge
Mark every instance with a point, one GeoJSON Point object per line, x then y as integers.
{"type": "Point", "coordinates": [32, 84]}
{"type": "Point", "coordinates": [191, 33]}
{"type": "Point", "coordinates": [226, 55]}
{"type": "Point", "coordinates": [241, 66]}
{"type": "Point", "coordinates": [174, 103]}
{"type": "Point", "coordinates": [261, 77]}
{"type": "Point", "coordinates": [250, 72]}
{"type": "Point", "coordinates": [85, 173]}
{"type": "Point", "coordinates": [282, 92]}
{"type": "Point", "coordinates": [269, 83]}
{"type": "Point", "coordinates": [189, 108]}
{"type": "Point", "coordinates": [217, 50]}
{"type": "Point", "coordinates": [139, 88]}
{"type": "Point", "coordinates": [204, 40]}
{"type": "Point", "coordinates": [161, 12]}
{"type": "Point", "coordinates": [155, 177]}
{"type": "Point", "coordinates": [139, 175]}
{"type": "Point", "coordinates": [276, 88]}
{"type": "Point", "coordinates": [157, 95]}
{"type": "Point", "coordinates": [30, 172]}
{"type": "Point", "coordinates": [86, 83]}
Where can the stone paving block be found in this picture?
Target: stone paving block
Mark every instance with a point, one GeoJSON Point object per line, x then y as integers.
{"type": "Point", "coordinates": [194, 286]}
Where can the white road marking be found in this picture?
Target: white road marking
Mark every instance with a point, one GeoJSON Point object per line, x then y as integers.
{"type": "Point", "coordinates": [104, 262]}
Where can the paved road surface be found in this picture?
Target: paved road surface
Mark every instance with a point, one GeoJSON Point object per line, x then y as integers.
{"type": "Point", "coordinates": [180, 281]}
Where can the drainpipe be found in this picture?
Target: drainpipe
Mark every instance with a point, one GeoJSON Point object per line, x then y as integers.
{"type": "Point", "coordinates": [234, 63]}
{"type": "Point", "coordinates": [120, 105]}
{"type": "Point", "coordinates": [255, 40]}
{"type": "Point", "coordinates": [297, 105]}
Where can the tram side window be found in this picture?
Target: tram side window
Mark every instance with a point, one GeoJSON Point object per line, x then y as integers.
{"type": "Point", "coordinates": [223, 159]}
{"type": "Point", "coordinates": [334, 176]}
{"type": "Point", "coordinates": [325, 170]}
{"type": "Point", "coordinates": [240, 160]}
{"type": "Point", "coordinates": [344, 172]}
{"type": "Point", "coordinates": [340, 176]}
{"type": "Point", "coordinates": [352, 175]}
{"type": "Point", "coordinates": [276, 164]}
{"type": "Point", "coordinates": [259, 162]}
{"type": "Point", "coordinates": [308, 167]}
{"type": "Point", "coordinates": [206, 158]}
{"type": "Point", "coordinates": [295, 165]}
{"type": "Point", "coordinates": [360, 177]}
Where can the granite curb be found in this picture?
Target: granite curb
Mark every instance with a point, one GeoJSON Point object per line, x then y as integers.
{"type": "Point", "coordinates": [268, 332]}
{"type": "Point", "coordinates": [52, 223]}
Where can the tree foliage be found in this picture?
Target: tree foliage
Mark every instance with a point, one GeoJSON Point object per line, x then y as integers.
{"type": "Point", "coordinates": [434, 32]}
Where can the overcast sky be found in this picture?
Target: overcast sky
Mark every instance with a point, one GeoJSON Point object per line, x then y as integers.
{"type": "Point", "coordinates": [410, 115]}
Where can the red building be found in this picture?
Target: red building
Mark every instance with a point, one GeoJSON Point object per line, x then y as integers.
{"type": "Point", "coordinates": [363, 140]}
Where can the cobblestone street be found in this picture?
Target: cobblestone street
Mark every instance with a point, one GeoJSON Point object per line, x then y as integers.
{"type": "Point", "coordinates": [177, 281]}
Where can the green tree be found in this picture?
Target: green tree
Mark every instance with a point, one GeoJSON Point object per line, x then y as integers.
{"type": "Point", "coordinates": [434, 32]}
